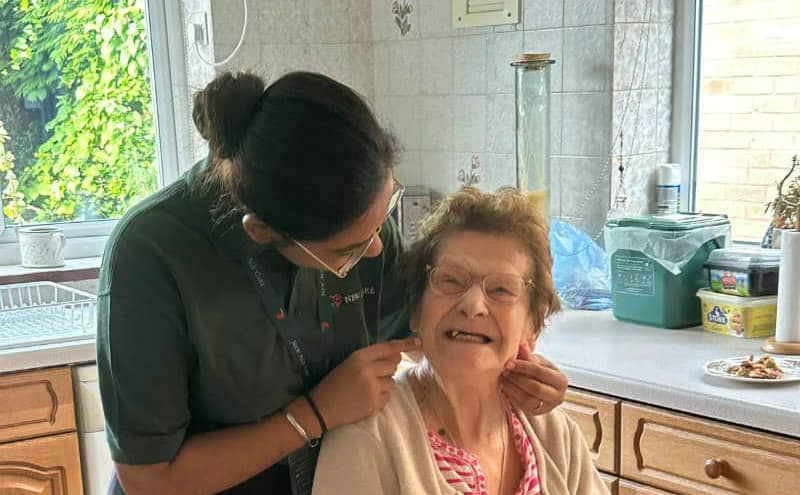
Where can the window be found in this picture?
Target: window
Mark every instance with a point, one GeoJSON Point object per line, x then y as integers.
{"type": "Point", "coordinates": [737, 105]}
{"type": "Point", "coordinates": [78, 138]}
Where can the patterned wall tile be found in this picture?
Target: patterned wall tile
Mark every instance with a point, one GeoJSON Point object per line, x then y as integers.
{"type": "Point", "coordinates": [502, 50]}
{"type": "Point", "coordinates": [663, 119]}
{"type": "Point", "coordinates": [636, 112]}
{"type": "Point", "coordinates": [403, 116]}
{"type": "Point", "coordinates": [665, 37]}
{"type": "Point", "coordinates": [436, 129]}
{"type": "Point", "coordinates": [500, 123]}
{"type": "Point", "coordinates": [635, 56]}
{"type": "Point", "coordinates": [468, 120]}
{"type": "Point", "coordinates": [409, 170]}
{"type": "Point", "coordinates": [586, 124]}
{"type": "Point", "coordinates": [585, 12]}
{"type": "Point", "coordinates": [635, 10]}
{"type": "Point", "coordinates": [587, 58]}
{"type": "Point", "coordinates": [329, 21]}
{"type": "Point", "coordinates": [666, 10]}
{"type": "Point", "coordinates": [543, 14]}
{"type": "Point", "coordinates": [404, 58]}
{"type": "Point", "coordinates": [469, 64]}
{"type": "Point", "coordinates": [384, 24]}
{"type": "Point", "coordinates": [436, 66]}
{"type": "Point", "coordinates": [497, 170]}
{"type": "Point", "coordinates": [440, 170]}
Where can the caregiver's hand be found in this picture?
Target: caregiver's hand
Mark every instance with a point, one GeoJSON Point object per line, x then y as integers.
{"type": "Point", "coordinates": [533, 384]}
{"type": "Point", "coordinates": [362, 384]}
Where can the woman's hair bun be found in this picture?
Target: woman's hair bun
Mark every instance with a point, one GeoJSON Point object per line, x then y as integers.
{"type": "Point", "coordinates": [224, 109]}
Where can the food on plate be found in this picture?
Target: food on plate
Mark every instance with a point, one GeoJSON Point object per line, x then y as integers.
{"type": "Point", "coordinates": [765, 368]}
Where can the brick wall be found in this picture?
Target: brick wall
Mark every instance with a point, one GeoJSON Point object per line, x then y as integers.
{"type": "Point", "coordinates": [749, 107]}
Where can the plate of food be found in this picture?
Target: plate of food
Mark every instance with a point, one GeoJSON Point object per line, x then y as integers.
{"type": "Point", "coordinates": [763, 369]}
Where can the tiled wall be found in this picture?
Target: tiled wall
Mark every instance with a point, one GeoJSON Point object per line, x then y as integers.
{"type": "Point", "coordinates": [328, 36]}
{"type": "Point", "coordinates": [449, 94]}
{"type": "Point", "coordinates": [643, 35]}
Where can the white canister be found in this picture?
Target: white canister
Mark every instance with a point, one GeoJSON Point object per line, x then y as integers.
{"type": "Point", "coordinates": [669, 188]}
{"type": "Point", "coordinates": [41, 247]}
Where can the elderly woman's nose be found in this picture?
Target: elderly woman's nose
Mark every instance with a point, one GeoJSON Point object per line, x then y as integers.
{"type": "Point", "coordinates": [473, 303]}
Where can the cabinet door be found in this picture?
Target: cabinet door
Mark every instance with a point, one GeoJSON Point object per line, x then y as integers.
{"type": "Point", "coordinates": [36, 403]}
{"type": "Point", "coordinates": [596, 417]}
{"type": "Point", "coordinates": [42, 466]}
{"type": "Point", "coordinates": [630, 488]}
{"type": "Point", "coordinates": [695, 456]}
{"type": "Point", "coordinates": [612, 482]}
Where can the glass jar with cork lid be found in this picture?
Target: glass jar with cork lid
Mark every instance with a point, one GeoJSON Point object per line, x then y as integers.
{"type": "Point", "coordinates": [532, 90]}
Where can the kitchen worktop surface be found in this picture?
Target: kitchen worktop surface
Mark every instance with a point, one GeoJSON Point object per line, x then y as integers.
{"type": "Point", "coordinates": [665, 368]}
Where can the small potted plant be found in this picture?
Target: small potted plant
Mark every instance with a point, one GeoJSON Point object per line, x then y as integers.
{"type": "Point", "coordinates": [785, 208]}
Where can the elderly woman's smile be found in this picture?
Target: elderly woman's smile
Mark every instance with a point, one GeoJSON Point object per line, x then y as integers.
{"type": "Point", "coordinates": [475, 313]}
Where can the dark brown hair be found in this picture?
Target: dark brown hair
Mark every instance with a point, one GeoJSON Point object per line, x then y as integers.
{"type": "Point", "coordinates": [508, 213]}
{"type": "Point", "coordinates": [305, 154]}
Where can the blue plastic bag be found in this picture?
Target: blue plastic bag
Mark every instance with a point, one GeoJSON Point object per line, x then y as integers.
{"type": "Point", "coordinates": [580, 268]}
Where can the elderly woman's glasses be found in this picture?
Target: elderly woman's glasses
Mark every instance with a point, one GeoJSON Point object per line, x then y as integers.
{"type": "Point", "coordinates": [358, 252]}
{"type": "Point", "coordinates": [503, 288]}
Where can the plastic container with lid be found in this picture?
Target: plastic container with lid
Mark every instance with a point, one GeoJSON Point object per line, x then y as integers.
{"type": "Point", "coordinates": [657, 265]}
{"type": "Point", "coordinates": [749, 272]}
{"type": "Point", "coordinates": [745, 317]}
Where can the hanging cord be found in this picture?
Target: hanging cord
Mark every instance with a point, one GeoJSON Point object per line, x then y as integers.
{"type": "Point", "coordinates": [235, 49]}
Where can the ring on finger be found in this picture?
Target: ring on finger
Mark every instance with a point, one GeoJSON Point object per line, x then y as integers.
{"type": "Point", "coordinates": [539, 407]}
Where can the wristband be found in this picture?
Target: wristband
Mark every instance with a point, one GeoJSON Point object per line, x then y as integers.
{"type": "Point", "coordinates": [314, 408]}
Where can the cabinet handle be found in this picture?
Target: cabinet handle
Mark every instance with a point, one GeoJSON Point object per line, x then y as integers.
{"type": "Point", "coordinates": [715, 468]}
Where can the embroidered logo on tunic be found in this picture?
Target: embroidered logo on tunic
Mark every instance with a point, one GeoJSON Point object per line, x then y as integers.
{"type": "Point", "coordinates": [336, 300]}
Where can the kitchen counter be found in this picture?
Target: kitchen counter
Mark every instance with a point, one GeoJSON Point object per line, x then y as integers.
{"type": "Point", "coordinates": [665, 368]}
{"type": "Point", "coordinates": [643, 364]}
{"type": "Point", "coordinates": [43, 356]}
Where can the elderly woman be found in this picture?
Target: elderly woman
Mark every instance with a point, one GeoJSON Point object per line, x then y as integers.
{"type": "Point", "coordinates": [480, 290]}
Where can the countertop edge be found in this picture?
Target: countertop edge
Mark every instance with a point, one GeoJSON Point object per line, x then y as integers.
{"type": "Point", "coordinates": [47, 356]}
{"type": "Point", "coordinates": [748, 414]}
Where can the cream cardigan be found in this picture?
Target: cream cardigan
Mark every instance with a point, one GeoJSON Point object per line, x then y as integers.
{"type": "Point", "coordinates": [389, 454]}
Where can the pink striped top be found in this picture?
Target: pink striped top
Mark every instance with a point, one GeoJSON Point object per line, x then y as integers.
{"type": "Point", "coordinates": [463, 472]}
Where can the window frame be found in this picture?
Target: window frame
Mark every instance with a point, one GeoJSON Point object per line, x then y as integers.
{"type": "Point", "coordinates": [685, 96]}
{"type": "Point", "coordinates": [164, 25]}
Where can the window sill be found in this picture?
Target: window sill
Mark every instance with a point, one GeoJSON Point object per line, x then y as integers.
{"type": "Point", "coordinates": [74, 269]}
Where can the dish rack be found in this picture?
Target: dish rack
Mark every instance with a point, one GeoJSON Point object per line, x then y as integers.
{"type": "Point", "coordinates": [40, 313]}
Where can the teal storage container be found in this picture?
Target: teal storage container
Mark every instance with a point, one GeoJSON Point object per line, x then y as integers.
{"type": "Point", "coordinates": [657, 265]}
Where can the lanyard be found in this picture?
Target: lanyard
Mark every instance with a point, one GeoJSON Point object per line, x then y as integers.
{"type": "Point", "coordinates": [287, 328]}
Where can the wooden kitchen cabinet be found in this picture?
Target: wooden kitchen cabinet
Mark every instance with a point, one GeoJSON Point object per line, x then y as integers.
{"type": "Point", "coordinates": [631, 488]}
{"type": "Point", "coordinates": [693, 456]}
{"type": "Point", "coordinates": [612, 482]}
{"type": "Point", "coordinates": [41, 466]}
{"type": "Point", "coordinates": [36, 403]}
{"type": "Point", "coordinates": [39, 452]}
{"type": "Point", "coordinates": [596, 417]}
{"type": "Point", "coordinates": [644, 450]}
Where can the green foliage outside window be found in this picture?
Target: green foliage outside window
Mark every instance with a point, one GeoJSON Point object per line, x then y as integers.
{"type": "Point", "coordinates": [99, 156]}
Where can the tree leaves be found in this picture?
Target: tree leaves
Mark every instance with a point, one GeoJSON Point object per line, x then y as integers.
{"type": "Point", "coordinates": [100, 157]}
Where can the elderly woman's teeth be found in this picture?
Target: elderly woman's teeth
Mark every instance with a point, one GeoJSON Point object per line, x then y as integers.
{"type": "Point", "coordinates": [467, 337]}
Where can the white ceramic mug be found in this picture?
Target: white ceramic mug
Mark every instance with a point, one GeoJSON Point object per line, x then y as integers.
{"type": "Point", "coordinates": [41, 247]}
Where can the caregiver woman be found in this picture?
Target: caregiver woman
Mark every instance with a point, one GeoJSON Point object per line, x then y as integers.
{"type": "Point", "coordinates": [238, 321]}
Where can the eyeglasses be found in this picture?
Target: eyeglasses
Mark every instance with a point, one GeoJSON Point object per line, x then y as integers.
{"type": "Point", "coordinates": [503, 288]}
{"type": "Point", "coordinates": [359, 251]}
